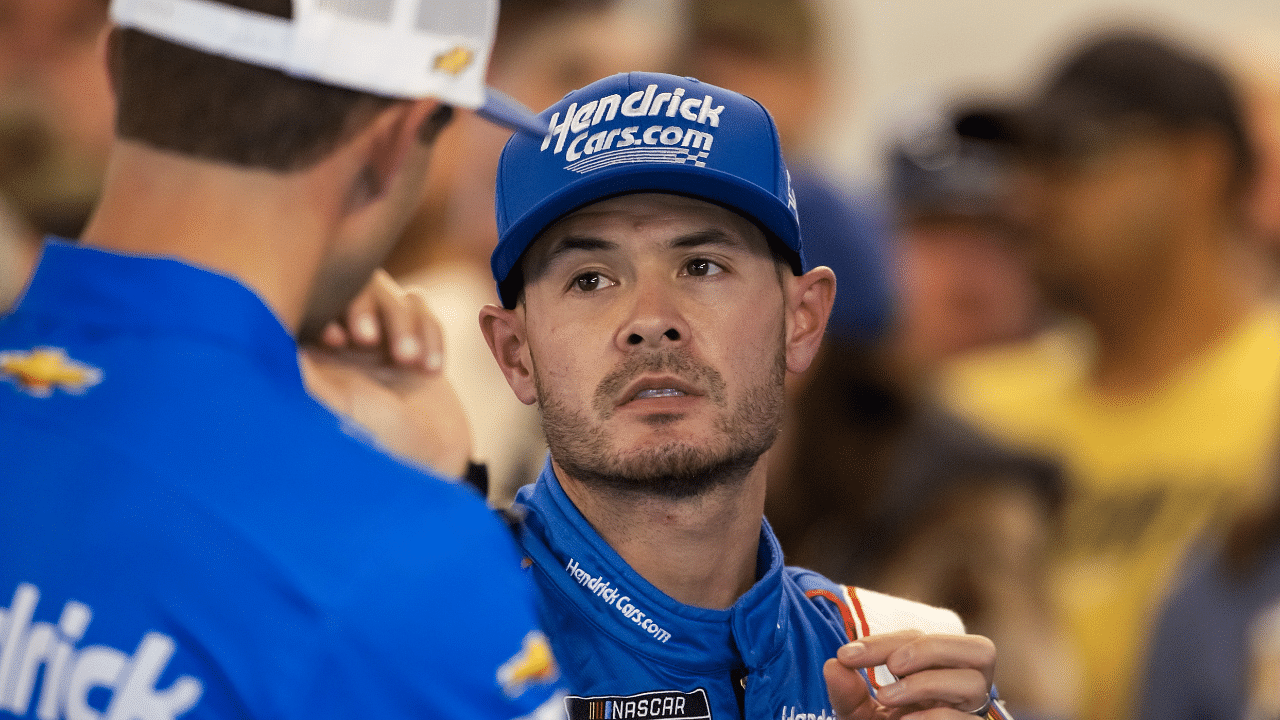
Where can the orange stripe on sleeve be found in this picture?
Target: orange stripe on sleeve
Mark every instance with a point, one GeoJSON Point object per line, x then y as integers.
{"type": "Point", "coordinates": [850, 628]}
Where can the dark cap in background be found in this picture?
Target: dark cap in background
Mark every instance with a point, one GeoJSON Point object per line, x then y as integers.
{"type": "Point", "coordinates": [1133, 79]}
{"type": "Point", "coordinates": [954, 165]}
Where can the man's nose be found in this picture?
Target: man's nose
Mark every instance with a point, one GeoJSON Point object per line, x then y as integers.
{"type": "Point", "coordinates": [655, 319]}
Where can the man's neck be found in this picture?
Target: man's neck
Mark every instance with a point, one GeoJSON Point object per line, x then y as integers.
{"type": "Point", "coordinates": [262, 228]}
{"type": "Point", "coordinates": [1144, 341]}
{"type": "Point", "coordinates": [701, 551]}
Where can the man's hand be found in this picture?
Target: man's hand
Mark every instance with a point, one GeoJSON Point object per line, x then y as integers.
{"type": "Point", "coordinates": [940, 676]}
{"type": "Point", "coordinates": [388, 319]}
{"type": "Point", "coordinates": [381, 367]}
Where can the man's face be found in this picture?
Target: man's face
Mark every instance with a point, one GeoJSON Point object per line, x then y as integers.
{"type": "Point", "coordinates": [963, 285]}
{"type": "Point", "coordinates": [1103, 217]}
{"type": "Point", "coordinates": [655, 329]}
{"type": "Point", "coordinates": [364, 241]}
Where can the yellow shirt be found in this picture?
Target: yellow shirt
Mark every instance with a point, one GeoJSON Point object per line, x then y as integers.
{"type": "Point", "coordinates": [1145, 476]}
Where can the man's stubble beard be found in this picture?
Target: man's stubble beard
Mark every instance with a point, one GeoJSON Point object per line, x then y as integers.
{"type": "Point", "coordinates": [676, 470]}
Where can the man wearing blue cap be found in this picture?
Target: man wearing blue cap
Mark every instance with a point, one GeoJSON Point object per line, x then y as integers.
{"type": "Point", "coordinates": [184, 531]}
{"type": "Point", "coordinates": [655, 296]}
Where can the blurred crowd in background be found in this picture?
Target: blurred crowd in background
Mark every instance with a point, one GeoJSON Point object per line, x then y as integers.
{"type": "Point", "coordinates": [1050, 393]}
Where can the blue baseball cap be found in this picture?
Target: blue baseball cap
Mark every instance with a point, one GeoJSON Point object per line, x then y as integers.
{"type": "Point", "coordinates": [643, 132]}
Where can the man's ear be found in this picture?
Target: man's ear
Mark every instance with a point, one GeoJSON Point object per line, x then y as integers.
{"type": "Point", "coordinates": [809, 300]}
{"type": "Point", "coordinates": [389, 141]}
{"type": "Point", "coordinates": [504, 330]}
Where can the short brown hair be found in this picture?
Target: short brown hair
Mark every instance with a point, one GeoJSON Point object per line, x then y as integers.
{"type": "Point", "coordinates": [185, 101]}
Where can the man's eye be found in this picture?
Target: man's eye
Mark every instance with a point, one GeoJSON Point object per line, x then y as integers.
{"type": "Point", "coordinates": [590, 281]}
{"type": "Point", "coordinates": [699, 267]}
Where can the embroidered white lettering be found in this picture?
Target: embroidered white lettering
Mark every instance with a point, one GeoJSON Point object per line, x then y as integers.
{"type": "Point", "coordinates": [708, 113]}
{"type": "Point", "coordinates": [687, 109]}
{"type": "Point", "coordinates": [657, 103]}
{"type": "Point", "coordinates": [605, 590]}
{"type": "Point", "coordinates": [637, 103]}
{"type": "Point", "coordinates": [675, 102]}
{"type": "Point", "coordinates": [608, 108]}
{"type": "Point", "coordinates": [71, 675]}
{"type": "Point", "coordinates": [582, 118]}
{"type": "Point", "coordinates": [579, 119]}
{"type": "Point", "coordinates": [559, 130]}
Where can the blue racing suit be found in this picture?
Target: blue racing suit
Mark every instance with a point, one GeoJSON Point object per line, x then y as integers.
{"type": "Point", "coordinates": [185, 532]}
{"type": "Point", "coordinates": [628, 650]}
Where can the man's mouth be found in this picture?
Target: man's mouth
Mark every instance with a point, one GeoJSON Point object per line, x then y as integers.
{"type": "Point", "coordinates": [656, 388]}
{"type": "Point", "coordinates": [659, 393]}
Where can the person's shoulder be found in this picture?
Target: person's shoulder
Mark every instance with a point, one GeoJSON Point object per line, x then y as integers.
{"type": "Point", "coordinates": [1015, 382]}
{"type": "Point", "coordinates": [1255, 345]}
{"type": "Point", "coordinates": [1042, 363]}
{"type": "Point", "coordinates": [1237, 379]}
{"type": "Point", "coordinates": [405, 507]}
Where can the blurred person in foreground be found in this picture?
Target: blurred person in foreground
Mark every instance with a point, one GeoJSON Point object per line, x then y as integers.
{"type": "Point", "coordinates": [19, 250]}
{"type": "Point", "coordinates": [655, 298]}
{"type": "Point", "coordinates": [1160, 395]}
{"type": "Point", "coordinates": [185, 530]}
{"type": "Point", "coordinates": [543, 49]}
{"type": "Point", "coordinates": [56, 114]}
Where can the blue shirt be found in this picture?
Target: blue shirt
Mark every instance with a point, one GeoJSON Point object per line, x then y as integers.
{"type": "Point", "coordinates": [629, 650]}
{"type": "Point", "coordinates": [185, 532]}
{"type": "Point", "coordinates": [1215, 651]}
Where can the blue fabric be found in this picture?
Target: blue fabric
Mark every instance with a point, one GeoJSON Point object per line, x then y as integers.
{"type": "Point", "coordinates": [850, 235]}
{"type": "Point", "coordinates": [1198, 667]}
{"type": "Point", "coordinates": [642, 132]}
{"type": "Point", "coordinates": [209, 540]}
{"type": "Point", "coordinates": [619, 639]}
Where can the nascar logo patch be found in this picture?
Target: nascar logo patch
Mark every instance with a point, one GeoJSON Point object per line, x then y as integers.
{"type": "Point", "coordinates": [657, 705]}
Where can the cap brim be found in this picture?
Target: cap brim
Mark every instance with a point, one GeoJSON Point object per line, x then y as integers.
{"type": "Point", "coordinates": [502, 109]}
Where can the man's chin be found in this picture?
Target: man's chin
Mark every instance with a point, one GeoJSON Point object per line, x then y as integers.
{"type": "Point", "coordinates": [673, 472]}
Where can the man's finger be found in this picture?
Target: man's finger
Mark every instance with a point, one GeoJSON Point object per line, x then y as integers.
{"type": "Point", "coordinates": [334, 335]}
{"type": "Point", "coordinates": [960, 688]}
{"type": "Point", "coordinates": [429, 331]}
{"type": "Point", "coordinates": [933, 670]}
{"type": "Point", "coordinates": [399, 321]}
{"type": "Point", "coordinates": [847, 691]}
{"type": "Point", "coordinates": [875, 650]}
{"type": "Point", "coordinates": [363, 327]}
{"type": "Point", "coordinates": [944, 651]}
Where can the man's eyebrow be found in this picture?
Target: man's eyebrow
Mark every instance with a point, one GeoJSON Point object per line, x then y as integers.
{"type": "Point", "coordinates": [578, 243]}
{"type": "Point", "coordinates": [561, 247]}
{"type": "Point", "coordinates": [710, 236]}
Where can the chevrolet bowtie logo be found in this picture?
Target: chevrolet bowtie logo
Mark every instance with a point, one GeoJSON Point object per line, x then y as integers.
{"type": "Point", "coordinates": [454, 61]}
{"type": "Point", "coordinates": [44, 369]}
{"type": "Point", "coordinates": [532, 665]}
